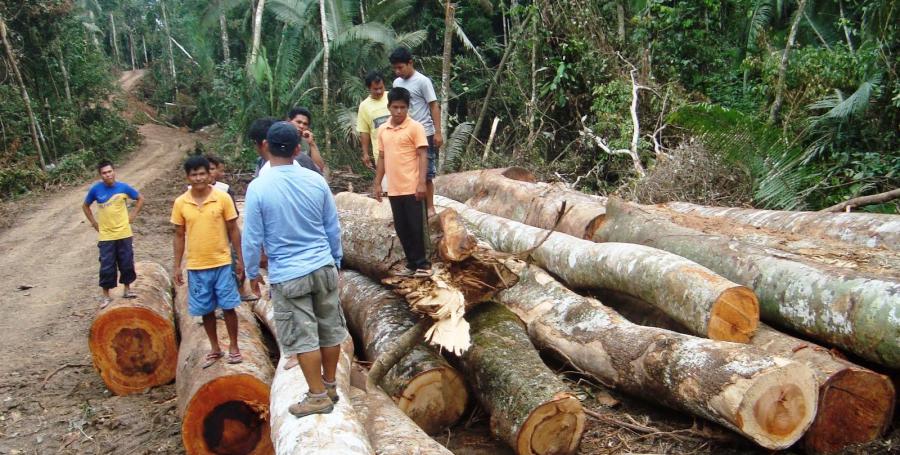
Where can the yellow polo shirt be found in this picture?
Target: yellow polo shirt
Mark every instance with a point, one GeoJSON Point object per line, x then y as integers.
{"type": "Point", "coordinates": [206, 233]}
{"type": "Point", "coordinates": [371, 115]}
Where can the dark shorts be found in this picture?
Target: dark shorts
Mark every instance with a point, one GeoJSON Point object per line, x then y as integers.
{"type": "Point", "coordinates": [116, 261]}
{"type": "Point", "coordinates": [432, 159]}
{"type": "Point", "coordinates": [213, 288]}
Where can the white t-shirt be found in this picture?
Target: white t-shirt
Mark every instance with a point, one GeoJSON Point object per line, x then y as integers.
{"type": "Point", "coordinates": [268, 165]}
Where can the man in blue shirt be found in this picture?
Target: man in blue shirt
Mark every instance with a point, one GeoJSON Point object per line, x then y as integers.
{"type": "Point", "coordinates": [291, 213]}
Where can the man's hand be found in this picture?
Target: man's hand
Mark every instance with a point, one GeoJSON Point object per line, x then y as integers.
{"type": "Point", "coordinates": [254, 285]}
{"type": "Point", "coordinates": [308, 135]}
{"type": "Point", "coordinates": [367, 161]}
{"type": "Point", "coordinates": [239, 269]}
{"type": "Point", "coordinates": [376, 191]}
{"type": "Point", "coordinates": [178, 276]}
{"type": "Point", "coordinates": [438, 139]}
{"type": "Point", "coordinates": [420, 191]}
{"type": "Point", "coordinates": [131, 217]}
{"type": "Point", "coordinates": [95, 226]}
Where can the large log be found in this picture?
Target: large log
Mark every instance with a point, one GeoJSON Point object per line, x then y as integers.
{"type": "Point", "coordinates": [132, 341]}
{"type": "Point", "coordinates": [391, 432]}
{"type": "Point", "coordinates": [838, 306]}
{"type": "Point", "coordinates": [424, 385]}
{"type": "Point", "coordinates": [706, 303]}
{"type": "Point", "coordinates": [340, 431]}
{"type": "Point", "coordinates": [770, 400]}
{"type": "Point", "coordinates": [224, 408]}
{"type": "Point", "coordinates": [461, 186]}
{"type": "Point", "coordinates": [531, 409]}
{"type": "Point", "coordinates": [873, 230]}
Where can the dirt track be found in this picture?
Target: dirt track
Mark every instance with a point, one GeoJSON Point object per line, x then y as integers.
{"type": "Point", "coordinates": [52, 248]}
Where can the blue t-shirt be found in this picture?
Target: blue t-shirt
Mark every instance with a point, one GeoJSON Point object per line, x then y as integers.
{"type": "Point", "coordinates": [112, 208]}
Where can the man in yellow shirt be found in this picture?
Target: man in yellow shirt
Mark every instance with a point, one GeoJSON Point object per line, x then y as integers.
{"type": "Point", "coordinates": [373, 112]}
{"type": "Point", "coordinates": [113, 224]}
{"type": "Point", "coordinates": [205, 219]}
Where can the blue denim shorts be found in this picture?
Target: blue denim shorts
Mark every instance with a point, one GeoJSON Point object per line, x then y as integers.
{"type": "Point", "coordinates": [213, 288]}
{"type": "Point", "coordinates": [432, 159]}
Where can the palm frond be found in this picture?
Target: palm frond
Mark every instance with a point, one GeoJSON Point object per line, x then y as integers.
{"type": "Point", "coordinates": [389, 11]}
{"type": "Point", "coordinates": [456, 144]}
{"type": "Point", "coordinates": [412, 40]}
{"type": "Point", "coordinates": [294, 12]}
{"type": "Point", "coordinates": [760, 17]}
{"type": "Point", "coordinates": [840, 108]}
{"type": "Point", "coordinates": [346, 122]}
{"type": "Point", "coordinates": [464, 39]}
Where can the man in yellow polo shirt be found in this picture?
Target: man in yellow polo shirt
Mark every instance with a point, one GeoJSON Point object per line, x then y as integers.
{"type": "Point", "coordinates": [206, 220]}
{"type": "Point", "coordinates": [373, 112]}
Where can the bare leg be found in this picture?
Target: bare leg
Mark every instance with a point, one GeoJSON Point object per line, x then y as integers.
{"type": "Point", "coordinates": [231, 324]}
{"type": "Point", "coordinates": [330, 357]}
{"type": "Point", "coordinates": [209, 324]}
{"type": "Point", "coordinates": [311, 365]}
{"type": "Point", "coordinates": [429, 192]}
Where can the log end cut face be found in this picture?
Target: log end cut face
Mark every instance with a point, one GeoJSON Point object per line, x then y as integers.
{"type": "Point", "coordinates": [228, 415]}
{"type": "Point", "coordinates": [435, 399]}
{"type": "Point", "coordinates": [734, 316]}
{"type": "Point", "coordinates": [855, 407]}
{"type": "Point", "coordinates": [133, 349]}
{"type": "Point", "coordinates": [553, 428]}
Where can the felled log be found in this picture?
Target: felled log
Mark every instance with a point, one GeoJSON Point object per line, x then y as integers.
{"type": "Point", "coordinates": [855, 403]}
{"type": "Point", "coordinates": [769, 400]}
{"type": "Point", "coordinates": [340, 431]}
{"type": "Point", "coordinates": [531, 409]}
{"type": "Point", "coordinates": [430, 391]}
{"type": "Point", "coordinates": [706, 303]}
{"type": "Point", "coordinates": [224, 408]}
{"type": "Point", "coordinates": [390, 430]}
{"type": "Point", "coordinates": [873, 230]}
{"type": "Point", "coordinates": [463, 185]}
{"type": "Point", "coordinates": [132, 341]}
{"type": "Point", "coordinates": [356, 202]}
{"type": "Point", "coordinates": [858, 313]}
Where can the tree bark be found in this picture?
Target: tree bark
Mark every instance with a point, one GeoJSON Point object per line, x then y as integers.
{"type": "Point", "coordinates": [620, 21]}
{"type": "Point", "coordinates": [769, 400]}
{"type": "Point", "coordinates": [865, 200]}
{"type": "Point", "coordinates": [426, 388]}
{"type": "Point", "coordinates": [32, 120]}
{"type": "Point", "coordinates": [326, 52]}
{"type": "Point", "coordinates": [364, 204]}
{"type": "Point", "coordinates": [131, 49]}
{"type": "Point", "coordinates": [446, 66]}
{"type": "Point", "coordinates": [144, 45]}
{"type": "Point", "coordinates": [340, 431]}
{"type": "Point", "coordinates": [709, 305]}
{"type": "Point", "coordinates": [462, 186]}
{"type": "Point", "coordinates": [531, 409]}
{"type": "Point", "coordinates": [775, 112]}
{"type": "Point", "coordinates": [114, 38]}
{"type": "Point", "coordinates": [390, 430]}
{"type": "Point", "coordinates": [162, 6]}
{"type": "Point", "coordinates": [873, 230]}
{"type": "Point", "coordinates": [223, 27]}
{"type": "Point", "coordinates": [257, 30]}
{"type": "Point", "coordinates": [856, 312]}
{"type": "Point", "coordinates": [224, 408]}
{"type": "Point", "coordinates": [94, 34]}
{"type": "Point", "coordinates": [132, 341]}
{"type": "Point", "coordinates": [64, 70]}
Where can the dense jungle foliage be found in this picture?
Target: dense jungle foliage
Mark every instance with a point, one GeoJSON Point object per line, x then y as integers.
{"type": "Point", "coordinates": [770, 103]}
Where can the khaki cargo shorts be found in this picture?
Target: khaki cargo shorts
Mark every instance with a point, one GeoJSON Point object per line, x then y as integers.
{"type": "Point", "coordinates": [308, 313]}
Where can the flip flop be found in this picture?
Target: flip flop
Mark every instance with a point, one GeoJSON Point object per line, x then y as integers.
{"type": "Point", "coordinates": [403, 272]}
{"type": "Point", "coordinates": [422, 273]}
{"type": "Point", "coordinates": [291, 363]}
{"type": "Point", "coordinates": [234, 358]}
{"type": "Point", "coordinates": [212, 358]}
{"type": "Point", "coordinates": [249, 298]}
{"type": "Point", "coordinates": [129, 295]}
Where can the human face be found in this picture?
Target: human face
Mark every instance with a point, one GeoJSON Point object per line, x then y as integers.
{"type": "Point", "coordinates": [404, 70]}
{"type": "Point", "coordinates": [198, 178]}
{"type": "Point", "coordinates": [108, 175]}
{"type": "Point", "coordinates": [398, 112]}
{"type": "Point", "coordinates": [216, 172]}
{"type": "Point", "coordinates": [376, 90]}
{"type": "Point", "coordinates": [301, 122]}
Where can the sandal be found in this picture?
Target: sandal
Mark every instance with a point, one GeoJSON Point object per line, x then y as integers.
{"type": "Point", "coordinates": [129, 295]}
{"type": "Point", "coordinates": [404, 272]}
{"type": "Point", "coordinates": [212, 358]}
{"type": "Point", "coordinates": [105, 301]}
{"type": "Point", "coordinates": [249, 298]}
{"type": "Point", "coordinates": [422, 273]}
{"type": "Point", "coordinates": [234, 358]}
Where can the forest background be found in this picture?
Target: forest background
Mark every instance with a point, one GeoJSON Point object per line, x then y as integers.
{"type": "Point", "coordinates": [766, 103]}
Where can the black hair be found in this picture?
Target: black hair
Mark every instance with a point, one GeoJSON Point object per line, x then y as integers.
{"type": "Point", "coordinates": [195, 162]}
{"type": "Point", "coordinates": [299, 111]}
{"type": "Point", "coordinates": [214, 160]}
{"type": "Point", "coordinates": [103, 163]}
{"type": "Point", "coordinates": [400, 55]}
{"type": "Point", "coordinates": [373, 77]}
{"type": "Point", "coordinates": [259, 128]}
{"type": "Point", "coordinates": [398, 94]}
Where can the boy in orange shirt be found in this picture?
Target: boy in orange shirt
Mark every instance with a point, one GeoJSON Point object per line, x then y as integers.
{"type": "Point", "coordinates": [404, 157]}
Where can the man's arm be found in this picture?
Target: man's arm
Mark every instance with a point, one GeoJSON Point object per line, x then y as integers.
{"type": "Point", "coordinates": [435, 108]}
{"type": "Point", "coordinates": [137, 208]}
{"type": "Point", "coordinates": [332, 227]}
{"type": "Point", "coordinates": [178, 245]}
{"type": "Point", "coordinates": [234, 234]}
{"type": "Point", "coordinates": [314, 149]}
{"type": "Point", "coordinates": [252, 237]}
{"type": "Point", "coordinates": [422, 156]}
{"type": "Point", "coordinates": [379, 176]}
{"type": "Point", "coordinates": [86, 208]}
{"type": "Point", "coordinates": [365, 140]}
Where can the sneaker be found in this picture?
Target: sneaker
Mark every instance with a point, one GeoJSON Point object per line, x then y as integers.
{"type": "Point", "coordinates": [331, 390]}
{"type": "Point", "coordinates": [312, 404]}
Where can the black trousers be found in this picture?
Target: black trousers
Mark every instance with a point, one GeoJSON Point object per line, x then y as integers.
{"type": "Point", "coordinates": [409, 222]}
{"type": "Point", "coordinates": [116, 256]}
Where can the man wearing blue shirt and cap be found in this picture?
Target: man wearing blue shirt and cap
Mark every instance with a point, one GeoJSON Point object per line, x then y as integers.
{"type": "Point", "coordinates": [291, 213]}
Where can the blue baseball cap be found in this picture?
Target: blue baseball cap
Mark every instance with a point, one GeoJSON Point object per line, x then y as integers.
{"type": "Point", "coordinates": [282, 138]}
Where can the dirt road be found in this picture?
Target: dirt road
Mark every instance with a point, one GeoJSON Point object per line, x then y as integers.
{"type": "Point", "coordinates": [53, 249]}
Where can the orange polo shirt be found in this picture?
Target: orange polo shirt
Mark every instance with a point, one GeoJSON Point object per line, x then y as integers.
{"type": "Point", "coordinates": [400, 144]}
{"type": "Point", "coordinates": [206, 233]}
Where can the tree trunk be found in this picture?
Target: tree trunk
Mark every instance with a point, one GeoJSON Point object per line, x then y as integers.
{"type": "Point", "coordinates": [32, 120]}
{"type": "Point", "coordinates": [769, 400]}
{"type": "Point", "coordinates": [114, 39]}
{"type": "Point", "coordinates": [865, 200]}
{"type": "Point", "coordinates": [482, 113]}
{"type": "Point", "coordinates": [162, 6]}
{"type": "Point", "coordinates": [131, 49]}
{"type": "Point", "coordinates": [364, 204]}
{"type": "Point", "coordinates": [531, 409]}
{"type": "Point", "coordinates": [873, 230]}
{"type": "Point", "coordinates": [462, 186]}
{"type": "Point", "coordinates": [223, 27]}
{"type": "Point", "coordinates": [775, 112]}
{"type": "Point", "coordinates": [424, 385]}
{"type": "Point", "coordinates": [326, 52]}
{"type": "Point", "coordinates": [390, 430]}
{"type": "Point", "coordinates": [257, 30]}
{"type": "Point", "coordinates": [341, 431]}
{"type": "Point", "coordinates": [838, 306]}
{"type": "Point", "coordinates": [709, 305]}
{"type": "Point", "coordinates": [64, 70]}
{"type": "Point", "coordinates": [144, 45]}
{"type": "Point", "coordinates": [224, 408]}
{"type": "Point", "coordinates": [94, 34]}
{"type": "Point", "coordinates": [446, 66]}
{"type": "Point", "coordinates": [132, 341]}
{"type": "Point", "coordinates": [620, 21]}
